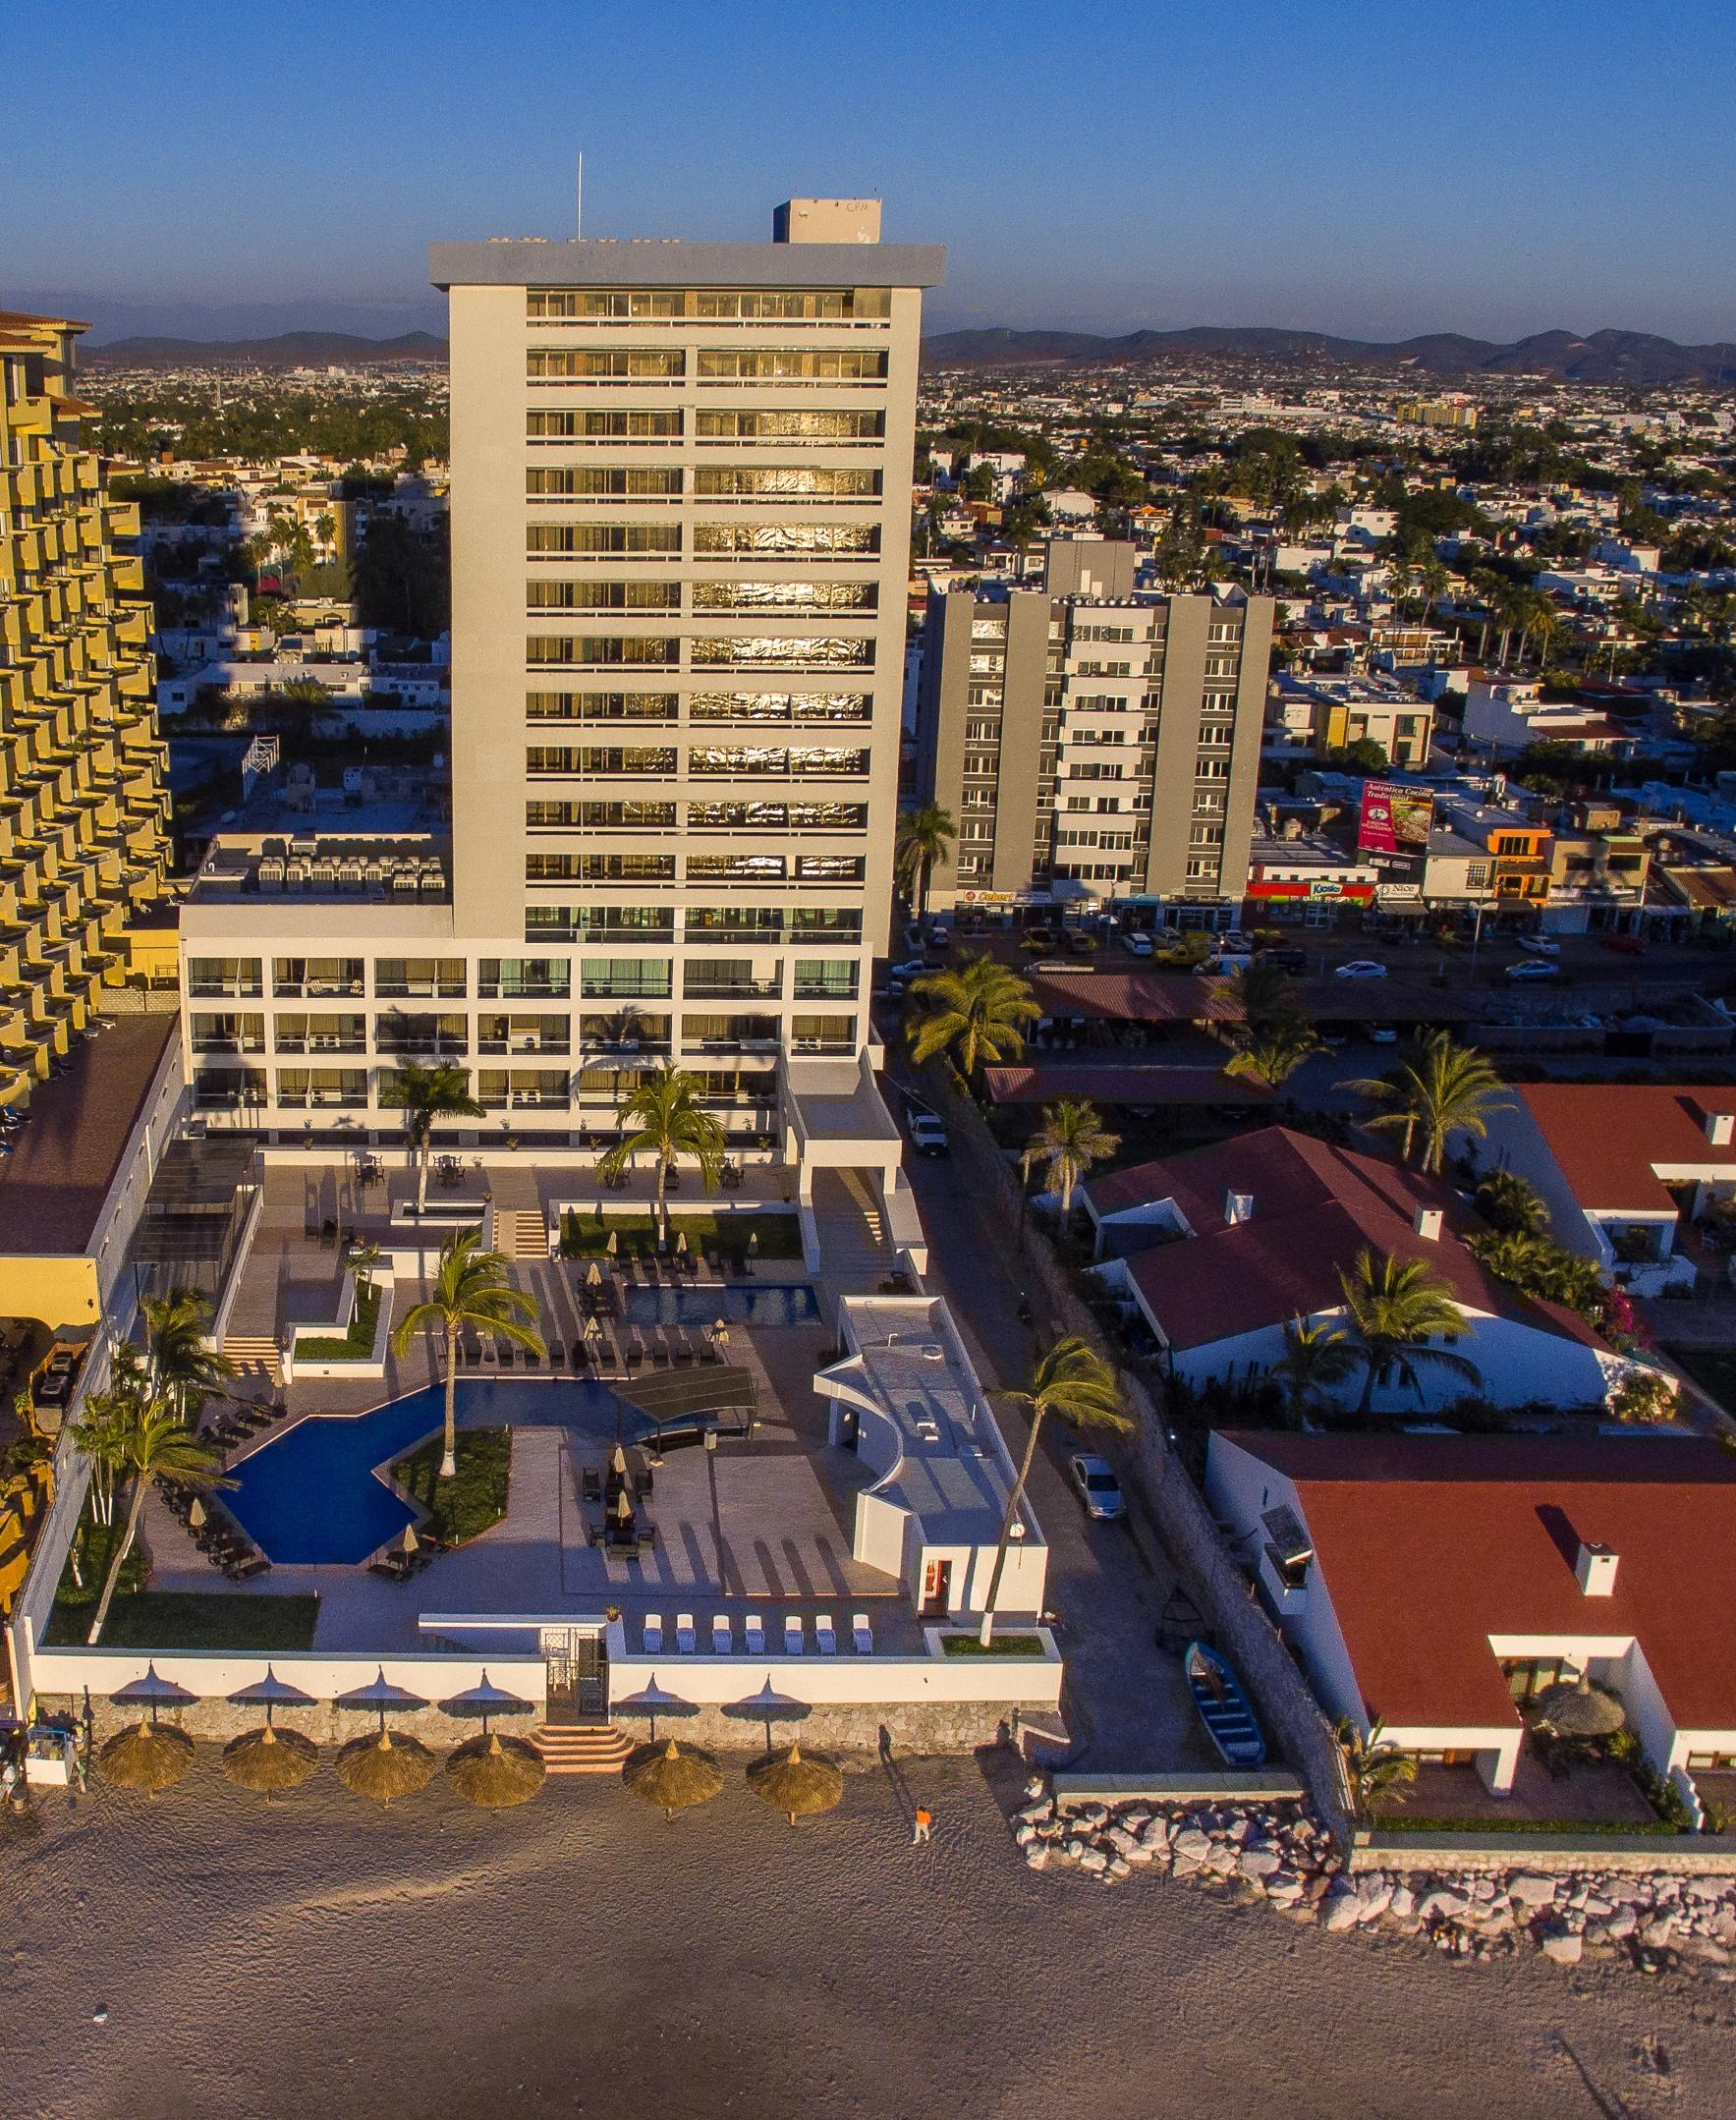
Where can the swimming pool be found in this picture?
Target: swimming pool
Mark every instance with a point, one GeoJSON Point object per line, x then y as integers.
{"type": "Point", "coordinates": [792, 1305]}
{"type": "Point", "coordinates": [309, 1496]}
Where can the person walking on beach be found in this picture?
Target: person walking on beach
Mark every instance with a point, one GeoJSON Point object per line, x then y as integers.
{"type": "Point", "coordinates": [920, 1831]}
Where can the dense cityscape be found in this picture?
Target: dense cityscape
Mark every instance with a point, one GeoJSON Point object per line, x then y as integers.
{"type": "Point", "coordinates": [771, 1063]}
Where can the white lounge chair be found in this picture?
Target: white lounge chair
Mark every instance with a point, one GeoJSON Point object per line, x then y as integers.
{"type": "Point", "coordinates": [825, 1634]}
{"type": "Point", "coordinates": [653, 1633]}
{"type": "Point", "coordinates": [754, 1629]}
{"type": "Point", "coordinates": [684, 1633]}
{"type": "Point", "coordinates": [862, 1634]}
{"type": "Point", "coordinates": [794, 1644]}
{"type": "Point", "coordinates": [722, 1638]}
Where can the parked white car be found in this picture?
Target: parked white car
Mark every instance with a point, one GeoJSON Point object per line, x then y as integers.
{"type": "Point", "coordinates": [1360, 967]}
{"type": "Point", "coordinates": [1099, 1487]}
{"type": "Point", "coordinates": [927, 1135]}
{"type": "Point", "coordinates": [912, 967]}
{"type": "Point", "coordinates": [1137, 944]}
{"type": "Point", "coordinates": [1534, 967]}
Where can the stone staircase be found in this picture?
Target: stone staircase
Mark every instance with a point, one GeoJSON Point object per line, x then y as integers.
{"type": "Point", "coordinates": [256, 1356]}
{"type": "Point", "coordinates": [520, 1233]}
{"type": "Point", "coordinates": [854, 1249]}
{"type": "Point", "coordinates": [581, 1748]}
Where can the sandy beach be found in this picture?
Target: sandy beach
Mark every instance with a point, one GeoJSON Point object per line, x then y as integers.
{"type": "Point", "coordinates": [582, 1956]}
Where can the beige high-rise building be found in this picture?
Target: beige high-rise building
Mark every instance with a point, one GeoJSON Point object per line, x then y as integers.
{"type": "Point", "coordinates": [680, 528]}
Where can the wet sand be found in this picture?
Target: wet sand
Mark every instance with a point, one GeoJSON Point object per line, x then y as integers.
{"type": "Point", "coordinates": [581, 1956]}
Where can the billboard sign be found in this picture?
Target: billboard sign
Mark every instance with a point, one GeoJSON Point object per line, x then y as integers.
{"type": "Point", "coordinates": [1395, 819]}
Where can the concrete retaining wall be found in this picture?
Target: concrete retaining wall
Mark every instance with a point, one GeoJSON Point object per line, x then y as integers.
{"type": "Point", "coordinates": [1693, 1855]}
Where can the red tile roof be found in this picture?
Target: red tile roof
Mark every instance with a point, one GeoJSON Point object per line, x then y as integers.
{"type": "Point", "coordinates": [1607, 1138]}
{"type": "Point", "coordinates": [1314, 1208]}
{"type": "Point", "coordinates": [1109, 1084]}
{"type": "Point", "coordinates": [1428, 1545]}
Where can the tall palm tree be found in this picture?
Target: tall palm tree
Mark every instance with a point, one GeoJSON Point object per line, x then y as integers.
{"type": "Point", "coordinates": [1073, 1381]}
{"type": "Point", "coordinates": [667, 1118]}
{"type": "Point", "coordinates": [141, 1437]}
{"type": "Point", "coordinates": [1393, 1309]}
{"type": "Point", "coordinates": [424, 1094]}
{"type": "Point", "coordinates": [1450, 1091]}
{"type": "Point", "coordinates": [1266, 992]}
{"type": "Point", "coordinates": [1272, 1052]}
{"type": "Point", "coordinates": [976, 1009]}
{"type": "Point", "coordinates": [1372, 1764]}
{"type": "Point", "coordinates": [1070, 1139]}
{"type": "Point", "coordinates": [923, 836]}
{"type": "Point", "coordinates": [1316, 1356]}
{"type": "Point", "coordinates": [182, 1363]}
{"type": "Point", "coordinates": [470, 1287]}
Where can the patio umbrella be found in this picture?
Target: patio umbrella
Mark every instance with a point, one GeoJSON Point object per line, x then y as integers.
{"type": "Point", "coordinates": [593, 1275]}
{"type": "Point", "coordinates": [623, 1507]}
{"type": "Point", "coordinates": [672, 1779]}
{"type": "Point", "coordinates": [409, 1545]}
{"type": "Point", "coordinates": [651, 1701]}
{"type": "Point", "coordinates": [384, 1766]}
{"type": "Point", "coordinates": [1578, 1709]}
{"type": "Point", "coordinates": [146, 1758]}
{"type": "Point", "coordinates": [496, 1772]}
{"type": "Point", "coordinates": [270, 1760]}
{"type": "Point", "coordinates": [152, 1692]}
{"type": "Point", "coordinates": [768, 1705]}
{"type": "Point", "coordinates": [799, 1787]}
{"type": "Point", "coordinates": [618, 1463]}
{"type": "Point", "coordinates": [196, 1515]}
{"type": "Point", "coordinates": [592, 1328]}
{"type": "Point", "coordinates": [681, 1244]}
{"type": "Point", "coordinates": [486, 1699]}
{"type": "Point", "coordinates": [613, 1246]}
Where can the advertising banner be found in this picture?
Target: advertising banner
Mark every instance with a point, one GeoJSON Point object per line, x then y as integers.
{"type": "Point", "coordinates": [1395, 819]}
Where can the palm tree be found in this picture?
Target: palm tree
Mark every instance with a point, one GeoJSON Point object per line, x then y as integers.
{"type": "Point", "coordinates": [1073, 1381]}
{"type": "Point", "coordinates": [140, 1437]}
{"type": "Point", "coordinates": [923, 836]}
{"type": "Point", "coordinates": [1393, 1307]}
{"type": "Point", "coordinates": [1372, 1767]}
{"type": "Point", "coordinates": [1451, 1091]}
{"type": "Point", "coordinates": [424, 1094]}
{"type": "Point", "coordinates": [1264, 991]}
{"type": "Point", "coordinates": [470, 1287]}
{"type": "Point", "coordinates": [1071, 1139]}
{"type": "Point", "coordinates": [1509, 1203]}
{"type": "Point", "coordinates": [667, 1118]}
{"type": "Point", "coordinates": [1316, 1356]}
{"type": "Point", "coordinates": [182, 1363]}
{"type": "Point", "coordinates": [976, 1009]}
{"type": "Point", "coordinates": [1272, 1052]}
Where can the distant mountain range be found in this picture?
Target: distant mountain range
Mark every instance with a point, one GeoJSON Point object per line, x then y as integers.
{"type": "Point", "coordinates": [1635, 358]}
{"type": "Point", "coordinates": [288, 349]}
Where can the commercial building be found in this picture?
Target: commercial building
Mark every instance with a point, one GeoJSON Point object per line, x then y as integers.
{"type": "Point", "coordinates": [1093, 747]}
{"type": "Point", "coordinates": [680, 531]}
{"type": "Point", "coordinates": [82, 796]}
{"type": "Point", "coordinates": [1344, 710]}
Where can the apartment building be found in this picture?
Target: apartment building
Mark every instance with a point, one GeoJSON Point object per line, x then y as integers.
{"type": "Point", "coordinates": [82, 796]}
{"type": "Point", "coordinates": [1339, 712]}
{"type": "Point", "coordinates": [680, 542]}
{"type": "Point", "coordinates": [1092, 747]}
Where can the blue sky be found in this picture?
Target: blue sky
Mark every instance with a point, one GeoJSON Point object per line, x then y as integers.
{"type": "Point", "coordinates": [1377, 167]}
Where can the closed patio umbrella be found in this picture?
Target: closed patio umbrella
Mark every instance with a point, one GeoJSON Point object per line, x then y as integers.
{"type": "Point", "coordinates": [268, 1760]}
{"type": "Point", "coordinates": [681, 1244]}
{"type": "Point", "coordinates": [623, 1507]}
{"type": "Point", "coordinates": [409, 1545]}
{"type": "Point", "coordinates": [618, 1462]}
{"type": "Point", "coordinates": [196, 1515]}
{"type": "Point", "coordinates": [496, 1772]}
{"type": "Point", "coordinates": [796, 1784]}
{"type": "Point", "coordinates": [1578, 1709]}
{"type": "Point", "coordinates": [613, 1246]}
{"type": "Point", "coordinates": [384, 1766]}
{"type": "Point", "coordinates": [671, 1779]}
{"type": "Point", "coordinates": [592, 1330]}
{"type": "Point", "coordinates": [146, 1758]}
{"type": "Point", "coordinates": [593, 1275]}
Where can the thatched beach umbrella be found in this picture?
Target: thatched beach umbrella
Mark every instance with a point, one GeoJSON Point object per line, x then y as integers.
{"type": "Point", "coordinates": [671, 1779]}
{"type": "Point", "coordinates": [270, 1760]}
{"type": "Point", "coordinates": [146, 1758]}
{"type": "Point", "coordinates": [384, 1766]}
{"type": "Point", "coordinates": [495, 1771]}
{"type": "Point", "coordinates": [1575, 1707]}
{"type": "Point", "coordinates": [796, 1784]}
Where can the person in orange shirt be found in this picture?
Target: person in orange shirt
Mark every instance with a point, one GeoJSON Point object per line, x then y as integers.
{"type": "Point", "coordinates": [925, 1821]}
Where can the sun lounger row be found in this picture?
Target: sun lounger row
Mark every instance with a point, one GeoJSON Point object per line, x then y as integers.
{"type": "Point", "coordinates": [214, 1531]}
{"type": "Point", "coordinates": [753, 1640]}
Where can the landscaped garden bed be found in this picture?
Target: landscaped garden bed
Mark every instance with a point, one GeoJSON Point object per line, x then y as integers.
{"type": "Point", "coordinates": [1002, 1644]}
{"type": "Point", "coordinates": [188, 1619]}
{"type": "Point", "coordinates": [474, 1498]}
{"type": "Point", "coordinates": [354, 1344]}
{"type": "Point", "coordinates": [777, 1233]}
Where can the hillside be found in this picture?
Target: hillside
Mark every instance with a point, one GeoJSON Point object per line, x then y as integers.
{"type": "Point", "coordinates": [288, 349]}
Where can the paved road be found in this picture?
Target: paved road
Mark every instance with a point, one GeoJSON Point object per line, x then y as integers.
{"type": "Point", "coordinates": [1126, 1706]}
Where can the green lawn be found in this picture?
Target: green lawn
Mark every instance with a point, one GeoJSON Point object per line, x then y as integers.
{"type": "Point", "coordinates": [1714, 1371]}
{"type": "Point", "coordinates": [585, 1236]}
{"type": "Point", "coordinates": [1003, 1644]}
{"type": "Point", "coordinates": [356, 1344]}
{"type": "Point", "coordinates": [474, 1497]}
{"type": "Point", "coordinates": [191, 1619]}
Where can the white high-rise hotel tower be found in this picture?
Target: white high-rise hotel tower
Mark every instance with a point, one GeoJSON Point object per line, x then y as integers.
{"type": "Point", "coordinates": [680, 544]}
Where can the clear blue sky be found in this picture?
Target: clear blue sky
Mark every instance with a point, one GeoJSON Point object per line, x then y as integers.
{"type": "Point", "coordinates": [1374, 166]}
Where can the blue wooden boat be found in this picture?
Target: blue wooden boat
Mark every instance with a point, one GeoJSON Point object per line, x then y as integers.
{"type": "Point", "coordinates": [1224, 1707]}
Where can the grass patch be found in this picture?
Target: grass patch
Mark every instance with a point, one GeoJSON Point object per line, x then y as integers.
{"type": "Point", "coordinates": [1714, 1371]}
{"type": "Point", "coordinates": [191, 1619]}
{"type": "Point", "coordinates": [90, 1552]}
{"type": "Point", "coordinates": [585, 1236]}
{"type": "Point", "coordinates": [355, 1345]}
{"type": "Point", "coordinates": [1003, 1644]}
{"type": "Point", "coordinates": [1389, 1822]}
{"type": "Point", "coordinates": [474, 1497]}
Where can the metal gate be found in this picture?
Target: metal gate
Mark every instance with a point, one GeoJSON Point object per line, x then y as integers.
{"type": "Point", "coordinates": [577, 1663]}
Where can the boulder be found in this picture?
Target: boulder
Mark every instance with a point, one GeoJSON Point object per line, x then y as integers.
{"type": "Point", "coordinates": [1157, 1833]}
{"type": "Point", "coordinates": [1119, 1841]}
{"type": "Point", "coordinates": [1038, 1813]}
{"type": "Point", "coordinates": [1284, 1887]}
{"type": "Point", "coordinates": [1192, 1847]}
{"type": "Point", "coordinates": [1258, 1863]}
{"type": "Point", "coordinates": [1531, 1891]}
{"type": "Point", "coordinates": [1565, 1949]}
{"type": "Point", "coordinates": [1621, 1921]}
{"type": "Point", "coordinates": [1442, 1904]}
{"type": "Point", "coordinates": [1223, 1859]}
{"type": "Point", "coordinates": [1403, 1904]}
{"type": "Point", "coordinates": [1025, 1835]}
{"type": "Point", "coordinates": [1093, 1860]}
{"type": "Point", "coordinates": [1342, 1909]}
{"type": "Point", "coordinates": [1036, 1855]}
{"type": "Point", "coordinates": [1119, 1867]}
{"type": "Point", "coordinates": [1703, 1887]}
{"type": "Point", "coordinates": [1374, 1898]}
{"type": "Point", "coordinates": [1658, 1931]}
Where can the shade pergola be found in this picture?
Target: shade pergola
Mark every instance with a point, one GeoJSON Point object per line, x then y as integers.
{"type": "Point", "coordinates": [684, 1397]}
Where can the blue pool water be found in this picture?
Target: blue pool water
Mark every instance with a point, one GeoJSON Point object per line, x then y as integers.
{"type": "Point", "coordinates": [309, 1498]}
{"type": "Point", "coordinates": [790, 1306]}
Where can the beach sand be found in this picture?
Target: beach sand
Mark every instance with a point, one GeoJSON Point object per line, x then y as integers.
{"type": "Point", "coordinates": [579, 1955]}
